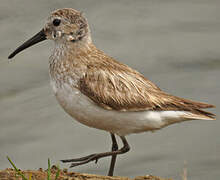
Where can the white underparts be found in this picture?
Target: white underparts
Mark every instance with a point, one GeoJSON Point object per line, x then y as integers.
{"type": "Point", "coordinates": [87, 112]}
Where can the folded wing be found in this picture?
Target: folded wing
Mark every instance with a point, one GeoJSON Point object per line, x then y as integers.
{"type": "Point", "coordinates": [118, 87]}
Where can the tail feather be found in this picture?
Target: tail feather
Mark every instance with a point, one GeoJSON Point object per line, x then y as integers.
{"type": "Point", "coordinates": [196, 104]}
{"type": "Point", "coordinates": [196, 112]}
{"type": "Point", "coordinates": [199, 115]}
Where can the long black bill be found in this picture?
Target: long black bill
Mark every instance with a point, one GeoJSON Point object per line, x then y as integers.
{"type": "Point", "coordinates": [35, 39]}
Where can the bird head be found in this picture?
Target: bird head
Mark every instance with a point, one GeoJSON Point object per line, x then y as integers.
{"type": "Point", "coordinates": [63, 26]}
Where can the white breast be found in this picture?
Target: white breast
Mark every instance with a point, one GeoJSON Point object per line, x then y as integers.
{"type": "Point", "coordinates": [87, 112]}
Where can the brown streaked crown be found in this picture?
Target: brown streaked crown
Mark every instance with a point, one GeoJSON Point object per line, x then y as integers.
{"type": "Point", "coordinates": [73, 25]}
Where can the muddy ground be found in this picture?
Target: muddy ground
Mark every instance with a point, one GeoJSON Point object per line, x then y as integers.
{"type": "Point", "coordinates": [10, 174]}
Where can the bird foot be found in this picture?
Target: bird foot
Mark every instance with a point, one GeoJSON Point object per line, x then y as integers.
{"type": "Point", "coordinates": [89, 158]}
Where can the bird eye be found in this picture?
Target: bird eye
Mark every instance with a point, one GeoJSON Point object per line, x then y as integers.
{"type": "Point", "coordinates": [56, 22]}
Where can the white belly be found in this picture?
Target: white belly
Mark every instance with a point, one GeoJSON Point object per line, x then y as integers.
{"type": "Point", "coordinates": [87, 112]}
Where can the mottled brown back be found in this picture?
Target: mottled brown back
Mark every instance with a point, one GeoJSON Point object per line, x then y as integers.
{"type": "Point", "coordinates": [115, 86]}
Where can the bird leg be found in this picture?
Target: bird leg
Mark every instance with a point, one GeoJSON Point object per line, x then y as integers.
{"type": "Point", "coordinates": [97, 156]}
{"type": "Point", "coordinates": [113, 160]}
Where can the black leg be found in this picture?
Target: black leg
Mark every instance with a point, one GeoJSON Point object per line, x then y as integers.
{"type": "Point", "coordinates": [113, 160]}
{"type": "Point", "coordinates": [96, 157]}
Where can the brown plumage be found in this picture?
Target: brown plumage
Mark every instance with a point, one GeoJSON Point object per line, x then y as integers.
{"type": "Point", "coordinates": [102, 93]}
{"type": "Point", "coordinates": [115, 86]}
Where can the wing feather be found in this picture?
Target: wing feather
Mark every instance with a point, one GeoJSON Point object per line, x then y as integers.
{"type": "Point", "coordinates": [115, 86]}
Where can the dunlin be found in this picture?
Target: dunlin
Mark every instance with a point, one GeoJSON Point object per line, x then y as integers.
{"type": "Point", "coordinates": [102, 93]}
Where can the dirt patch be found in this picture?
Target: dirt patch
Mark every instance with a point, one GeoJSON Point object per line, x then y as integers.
{"type": "Point", "coordinates": [10, 174]}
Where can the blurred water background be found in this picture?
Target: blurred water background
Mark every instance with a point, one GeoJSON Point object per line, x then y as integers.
{"type": "Point", "coordinates": [173, 43]}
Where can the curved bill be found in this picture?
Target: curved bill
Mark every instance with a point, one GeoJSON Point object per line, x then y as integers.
{"type": "Point", "coordinates": [35, 39]}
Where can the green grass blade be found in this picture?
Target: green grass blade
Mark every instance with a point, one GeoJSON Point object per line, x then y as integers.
{"type": "Point", "coordinates": [16, 169]}
{"type": "Point", "coordinates": [58, 172]}
{"type": "Point", "coordinates": [48, 170]}
{"type": "Point", "coordinates": [30, 176]}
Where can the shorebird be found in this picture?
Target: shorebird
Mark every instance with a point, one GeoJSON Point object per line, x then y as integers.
{"type": "Point", "coordinates": [102, 93]}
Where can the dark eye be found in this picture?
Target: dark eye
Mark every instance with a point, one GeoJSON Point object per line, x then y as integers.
{"type": "Point", "coordinates": [56, 22]}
